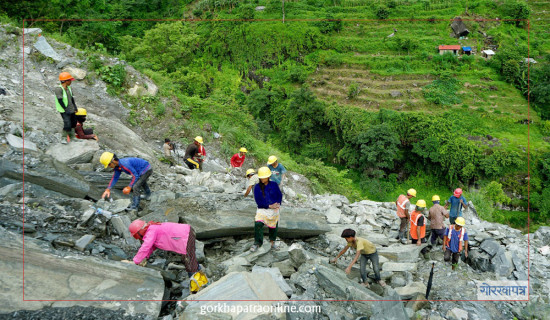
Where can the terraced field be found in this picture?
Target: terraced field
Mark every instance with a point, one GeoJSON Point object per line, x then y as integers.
{"type": "Point", "coordinates": [540, 24]}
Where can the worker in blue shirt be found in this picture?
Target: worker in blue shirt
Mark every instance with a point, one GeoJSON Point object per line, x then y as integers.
{"type": "Point", "coordinates": [457, 201]}
{"type": "Point", "coordinates": [139, 169]}
{"type": "Point", "coordinates": [277, 169]}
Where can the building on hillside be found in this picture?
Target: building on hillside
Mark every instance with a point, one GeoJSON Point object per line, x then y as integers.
{"type": "Point", "coordinates": [487, 53]}
{"type": "Point", "coordinates": [452, 49]}
{"type": "Point", "coordinates": [467, 50]}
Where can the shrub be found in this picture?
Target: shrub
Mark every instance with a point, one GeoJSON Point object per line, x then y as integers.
{"type": "Point", "coordinates": [442, 92]}
{"type": "Point", "coordinates": [382, 12]}
{"type": "Point", "coordinates": [353, 90]}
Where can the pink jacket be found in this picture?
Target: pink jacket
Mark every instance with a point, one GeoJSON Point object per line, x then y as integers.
{"type": "Point", "coordinates": [167, 236]}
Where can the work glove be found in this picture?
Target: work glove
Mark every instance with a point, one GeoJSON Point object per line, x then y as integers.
{"type": "Point", "coordinates": [106, 193]}
{"type": "Point", "coordinates": [127, 190]}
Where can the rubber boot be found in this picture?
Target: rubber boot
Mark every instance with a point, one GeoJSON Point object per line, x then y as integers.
{"type": "Point", "coordinates": [135, 204]}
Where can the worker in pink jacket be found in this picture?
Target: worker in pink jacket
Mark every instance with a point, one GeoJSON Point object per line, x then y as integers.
{"type": "Point", "coordinates": [175, 237]}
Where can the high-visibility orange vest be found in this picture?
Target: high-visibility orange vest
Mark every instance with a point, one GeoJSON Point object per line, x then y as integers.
{"type": "Point", "coordinates": [461, 238]}
{"type": "Point", "coordinates": [402, 205]}
{"type": "Point", "coordinates": [414, 223]}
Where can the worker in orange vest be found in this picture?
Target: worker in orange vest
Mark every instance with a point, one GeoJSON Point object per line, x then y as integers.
{"type": "Point", "coordinates": [455, 237]}
{"type": "Point", "coordinates": [403, 205]}
{"type": "Point", "coordinates": [418, 223]}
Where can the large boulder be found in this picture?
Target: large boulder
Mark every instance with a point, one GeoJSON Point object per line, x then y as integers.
{"type": "Point", "coordinates": [412, 290]}
{"type": "Point", "coordinates": [294, 223]}
{"type": "Point", "coordinates": [79, 151]}
{"type": "Point", "coordinates": [258, 287]}
{"type": "Point", "coordinates": [401, 253]}
{"type": "Point", "coordinates": [543, 234]}
{"type": "Point", "coordinates": [19, 144]}
{"type": "Point", "coordinates": [277, 277]}
{"type": "Point", "coordinates": [50, 174]}
{"type": "Point", "coordinates": [68, 279]}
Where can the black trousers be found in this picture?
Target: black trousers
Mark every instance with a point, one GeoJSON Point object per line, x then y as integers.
{"type": "Point", "coordinates": [449, 253]}
{"type": "Point", "coordinates": [142, 183]}
{"type": "Point", "coordinates": [69, 121]}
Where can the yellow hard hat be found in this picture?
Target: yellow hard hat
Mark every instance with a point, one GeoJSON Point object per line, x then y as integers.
{"type": "Point", "coordinates": [460, 221]}
{"type": "Point", "coordinates": [435, 198]}
{"type": "Point", "coordinates": [243, 150]}
{"type": "Point", "coordinates": [106, 158]}
{"type": "Point", "coordinates": [264, 172]}
{"type": "Point", "coordinates": [249, 171]}
{"type": "Point", "coordinates": [271, 159]}
{"type": "Point", "coordinates": [421, 203]}
{"type": "Point", "coordinates": [81, 112]}
{"type": "Point", "coordinates": [412, 192]}
{"type": "Point", "coordinates": [199, 139]}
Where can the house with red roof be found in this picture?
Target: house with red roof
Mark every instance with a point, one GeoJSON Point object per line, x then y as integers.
{"type": "Point", "coordinates": [452, 49]}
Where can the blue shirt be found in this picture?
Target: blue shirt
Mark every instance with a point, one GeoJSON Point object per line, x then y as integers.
{"type": "Point", "coordinates": [455, 239]}
{"type": "Point", "coordinates": [272, 194]}
{"type": "Point", "coordinates": [277, 173]}
{"type": "Point", "coordinates": [135, 167]}
{"type": "Point", "coordinates": [456, 206]}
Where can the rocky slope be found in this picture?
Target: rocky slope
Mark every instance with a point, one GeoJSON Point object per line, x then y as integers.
{"type": "Point", "coordinates": [73, 254]}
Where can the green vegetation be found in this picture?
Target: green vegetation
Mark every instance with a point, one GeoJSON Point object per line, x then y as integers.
{"type": "Point", "coordinates": [358, 111]}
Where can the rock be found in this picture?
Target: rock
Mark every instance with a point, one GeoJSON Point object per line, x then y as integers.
{"type": "Point", "coordinates": [502, 264]}
{"type": "Point", "coordinates": [86, 216]}
{"type": "Point", "coordinates": [285, 268]}
{"type": "Point", "coordinates": [77, 73]}
{"type": "Point", "coordinates": [32, 31]}
{"type": "Point", "coordinates": [401, 253]}
{"type": "Point", "coordinates": [457, 314]}
{"type": "Point", "coordinates": [137, 91]}
{"type": "Point", "coordinates": [199, 251]}
{"type": "Point", "coordinates": [82, 281]}
{"type": "Point", "coordinates": [411, 290]}
{"type": "Point", "coordinates": [418, 303]}
{"type": "Point", "coordinates": [161, 196]}
{"type": "Point", "coordinates": [544, 250]}
{"type": "Point", "coordinates": [84, 241]}
{"type": "Point", "coordinates": [277, 277]}
{"type": "Point", "coordinates": [80, 151]}
{"type": "Point", "coordinates": [44, 47]}
{"type": "Point", "coordinates": [298, 255]}
{"type": "Point", "coordinates": [395, 93]}
{"type": "Point", "coordinates": [389, 310]}
{"type": "Point", "coordinates": [183, 170]}
{"type": "Point", "coordinates": [237, 286]}
{"type": "Point", "coordinates": [333, 215]}
{"type": "Point", "coordinates": [260, 8]}
{"type": "Point", "coordinates": [50, 174]}
{"type": "Point", "coordinates": [116, 206]}
{"type": "Point", "coordinates": [479, 260]}
{"type": "Point", "coordinates": [543, 234]}
{"type": "Point", "coordinates": [120, 225]}
{"type": "Point", "coordinates": [17, 143]}
{"type": "Point", "coordinates": [395, 266]}
{"type": "Point", "coordinates": [398, 281]}
{"type": "Point", "coordinates": [491, 247]}
{"type": "Point", "coordinates": [294, 223]}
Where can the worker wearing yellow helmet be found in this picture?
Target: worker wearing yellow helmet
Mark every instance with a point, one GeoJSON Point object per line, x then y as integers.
{"type": "Point", "coordinates": [139, 169]}
{"type": "Point", "coordinates": [194, 154]}
{"type": "Point", "coordinates": [237, 159]}
{"type": "Point", "coordinates": [403, 205]}
{"type": "Point", "coordinates": [418, 223]}
{"type": "Point", "coordinates": [278, 171]}
{"type": "Point", "coordinates": [268, 198]}
{"type": "Point", "coordinates": [65, 105]}
{"type": "Point", "coordinates": [437, 215]}
{"type": "Point", "coordinates": [456, 239]}
{"type": "Point", "coordinates": [252, 180]}
{"type": "Point", "coordinates": [82, 133]}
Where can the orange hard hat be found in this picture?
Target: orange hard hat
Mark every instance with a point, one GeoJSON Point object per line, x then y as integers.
{"type": "Point", "coordinates": [135, 227]}
{"type": "Point", "coordinates": [64, 76]}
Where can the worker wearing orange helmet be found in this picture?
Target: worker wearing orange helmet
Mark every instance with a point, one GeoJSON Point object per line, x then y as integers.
{"type": "Point", "coordinates": [169, 236]}
{"type": "Point", "coordinates": [139, 169]}
{"type": "Point", "coordinates": [65, 105]}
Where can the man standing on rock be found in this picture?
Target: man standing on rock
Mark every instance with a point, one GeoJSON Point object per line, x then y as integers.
{"type": "Point", "coordinates": [139, 169]}
{"type": "Point", "coordinates": [66, 106]}
{"type": "Point", "coordinates": [277, 169]}
{"type": "Point", "coordinates": [455, 238]}
{"type": "Point", "coordinates": [457, 201]}
{"type": "Point", "coordinates": [252, 181]}
{"type": "Point", "coordinates": [418, 223]}
{"type": "Point", "coordinates": [191, 153]}
{"type": "Point", "coordinates": [268, 198]}
{"type": "Point", "coordinates": [366, 251]}
{"type": "Point", "coordinates": [436, 215]}
{"type": "Point", "coordinates": [168, 148]}
{"type": "Point", "coordinates": [403, 204]}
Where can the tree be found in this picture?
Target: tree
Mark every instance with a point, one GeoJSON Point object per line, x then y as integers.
{"type": "Point", "coordinates": [378, 147]}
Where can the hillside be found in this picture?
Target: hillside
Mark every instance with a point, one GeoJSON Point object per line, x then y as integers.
{"type": "Point", "coordinates": [320, 93]}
